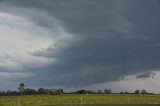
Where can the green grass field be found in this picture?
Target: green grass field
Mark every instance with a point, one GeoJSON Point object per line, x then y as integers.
{"type": "Point", "coordinates": [79, 99]}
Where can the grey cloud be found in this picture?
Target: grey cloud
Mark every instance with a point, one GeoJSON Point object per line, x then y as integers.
{"type": "Point", "coordinates": [115, 44]}
{"type": "Point", "coordinates": [146, 75]}
{"type": "Point", "coordinates": [119, 38]}
{"type": "Point", "coordinates": [4, 58]}
{"type": "Point", "coordinates": [10, 75]}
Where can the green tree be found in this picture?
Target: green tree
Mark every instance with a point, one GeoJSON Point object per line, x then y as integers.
{"type": "Point", "coordinates": [107, 91]}
{"type": "Point", "coordinates": [100, 92]}
{"type": "Point", "coordinates": [137, 91]}
{"type": "Point", "coordinates": [143, 91]}
{"type": "Point", "coordinates": [21, 88]}
{"type": "Point", "coordinates": [56, 91]}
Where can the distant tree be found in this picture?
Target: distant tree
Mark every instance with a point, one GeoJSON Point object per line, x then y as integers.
{"type": "Point", "coordinates": [29, 91]}
{"type": "Point", "coordinates": [8, 93]}
{"type": "Point", "coordinates": [90, 92]}
{"type": "Point", "coordinates": [100, 92]}
{"type": "Point", "coordinates": [143, 91]}
{"type": "Point", "coordinates": [137, 91]}
{"type": "Point", "coordinates": [43, 91]}
{"type": "Point", "coordinates": [126, 92]}
{"type": "Point", "coordinates": [81, 91]}
{"type": "Point", "coordinates": [107, 91]}
{"type": "Point", "coordinates": [2, 93]}
{"type": "Point", "coordinates": [56, 91]}
{"type": "Point", "coordinates": [121, 93]}
{"type": "Point", "coordinates": [12, 93]}
{"type": "Point", "coordinates": [61, 91]}
{"type": "Point", "coordinates": [84, 92]}
{"type": "Point", "coordinates": [21, 88]}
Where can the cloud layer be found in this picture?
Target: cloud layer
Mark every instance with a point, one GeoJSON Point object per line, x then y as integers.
{"type": "Point", "coordinates": [79, 43]}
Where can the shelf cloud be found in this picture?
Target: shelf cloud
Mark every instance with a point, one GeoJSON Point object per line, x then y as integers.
{"type": "Point", "coordinates": [79, 43]}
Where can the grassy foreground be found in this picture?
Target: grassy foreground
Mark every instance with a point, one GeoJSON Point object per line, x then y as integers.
{"type": "Point", "coordinates": [79, 99]}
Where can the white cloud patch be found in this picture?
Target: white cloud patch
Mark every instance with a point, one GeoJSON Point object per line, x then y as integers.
{"type": "Point", "coordinates": [131, 83]}
{"type": "Point", "coordinates": [20, 36]}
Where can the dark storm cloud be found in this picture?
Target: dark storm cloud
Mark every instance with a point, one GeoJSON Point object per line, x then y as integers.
{"type": "Point", "coordinates": [117, 38]}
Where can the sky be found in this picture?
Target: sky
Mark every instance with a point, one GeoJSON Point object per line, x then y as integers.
{"type": "Point", "coordinates": [80, 44]}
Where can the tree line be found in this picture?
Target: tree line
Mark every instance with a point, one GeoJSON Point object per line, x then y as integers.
{"type": "Point", "coordinates": [41, 91]}
{"type": "Point", "coordinates": [29, 91]}
{"type": "Point", "coordinates": [108, 91]}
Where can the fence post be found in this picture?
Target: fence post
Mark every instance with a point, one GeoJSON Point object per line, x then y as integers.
{"type": "Point", "coordinates": [18, 102]}
{"type": "Point", "coordinates": [81, 101]}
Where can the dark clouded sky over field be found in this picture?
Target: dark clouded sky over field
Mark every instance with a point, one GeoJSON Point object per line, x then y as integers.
{"type": "Point", "coordinates": [77, 44]}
